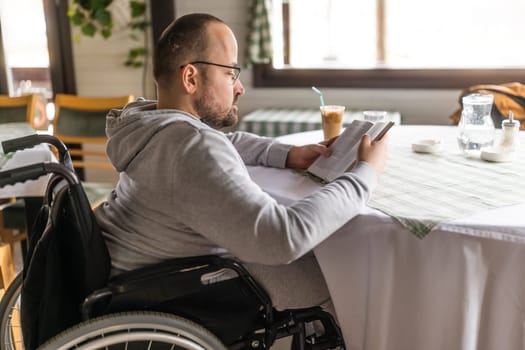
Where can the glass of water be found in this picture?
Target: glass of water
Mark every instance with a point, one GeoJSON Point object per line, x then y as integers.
{"type": "Point", "coordinates": [375, 116]}
{"type": "Point", "coordinates": [476, 128]}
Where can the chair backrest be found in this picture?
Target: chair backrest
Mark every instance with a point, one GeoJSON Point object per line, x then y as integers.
{"type": "Point", "coordinates": [82, 120]}
{"type": "Point", "coordinates": [17, 109]}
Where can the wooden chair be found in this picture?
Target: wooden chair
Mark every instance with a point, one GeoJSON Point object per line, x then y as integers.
{"type": "Point", "coordinates": [13, 228]}
{"type": "Point", "coordinates": [7, 268]}
{"type": "Point", "coordinates": [17, 109]}
{"type": "Point", "coordinates": [81, 121]}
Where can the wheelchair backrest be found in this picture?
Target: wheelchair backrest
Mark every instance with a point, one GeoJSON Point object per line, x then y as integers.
{"type": "Point", "coordinates": [67, 257]}
{"type": "Point", "coordinates": [67, 260]}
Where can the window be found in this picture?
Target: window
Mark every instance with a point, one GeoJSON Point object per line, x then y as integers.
{"type": "Point", "coordinates": [394, 43]}
{"type": "Point", "coordinates": [26, 57]}
{"type": "Point", "coordinates": [25, 47]}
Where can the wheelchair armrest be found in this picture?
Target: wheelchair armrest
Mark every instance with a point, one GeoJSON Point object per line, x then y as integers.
{"type": "Point", "coordinates": [185, 273]}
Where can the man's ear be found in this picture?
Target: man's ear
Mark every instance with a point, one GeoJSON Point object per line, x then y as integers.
{"type": "Point", "coordinates": [190, 78]}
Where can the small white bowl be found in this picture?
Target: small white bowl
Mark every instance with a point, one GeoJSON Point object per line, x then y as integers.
{"type": "Point", "coordinates": [495, 154]}
{"type": "Point", "coordinates": [427, 146]}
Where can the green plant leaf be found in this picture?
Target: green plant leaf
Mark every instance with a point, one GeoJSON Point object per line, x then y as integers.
{"type": "Point", "coordinates": [98, 4]}
{"type": "Point", "coordinates": [139, 25]}
{"type": "Point", "coordinates": [103, 17]}
{"type": "Point", "coordinates": [77, 18]}
{"type": "Point", "coordinates": [137, 51]}
{"type": "Point", "coordinates": [76, 37]}
{"type": "Point", "coordinates": [137, 8]}
{"type": "Point", "coordinates": [106, 33]}
{"type": "Point", "coordinates": [88, 29]}
{"type": "Point", "coordinates": [85, 4]}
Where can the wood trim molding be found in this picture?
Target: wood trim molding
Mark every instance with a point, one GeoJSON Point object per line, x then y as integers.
{"type": "Point", "coordinates": [4, 89]}
{"type": "Point", "coordinates": [61, 66]}
{"type": "Point", "coordinates": [264, 75]}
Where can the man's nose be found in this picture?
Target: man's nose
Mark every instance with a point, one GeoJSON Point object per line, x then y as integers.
{"type": "Point", "coordinates": [239, 88]}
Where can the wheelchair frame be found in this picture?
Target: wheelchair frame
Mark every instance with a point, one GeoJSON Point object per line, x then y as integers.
{"type": "Point", "coordinates": [111, 303]}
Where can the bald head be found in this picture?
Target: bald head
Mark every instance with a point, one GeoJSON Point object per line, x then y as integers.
{"type": "Point", "coordinates": [184, 40]}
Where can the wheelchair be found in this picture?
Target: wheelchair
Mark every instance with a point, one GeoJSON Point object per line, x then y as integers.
{"type": "Point", "coordinates": [69, 302]}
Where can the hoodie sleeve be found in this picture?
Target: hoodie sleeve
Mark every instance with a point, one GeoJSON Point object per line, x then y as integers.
{"type": "Point", "coordinates": [223, 204]}
{"type": "Point", "coordinates": [257, 150]}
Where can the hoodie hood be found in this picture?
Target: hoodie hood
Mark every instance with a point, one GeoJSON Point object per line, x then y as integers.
{"type": "Point", "coordinates": [131, 128]}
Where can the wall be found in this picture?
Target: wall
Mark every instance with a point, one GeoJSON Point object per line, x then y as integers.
{"type": "Point", "coordinates": [99, 68]}
{"type": "Point", "coordinates": [99, 63]}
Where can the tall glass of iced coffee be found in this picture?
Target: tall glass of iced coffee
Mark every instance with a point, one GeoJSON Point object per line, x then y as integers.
{"type": "Point", "coordinates": [332, 120]}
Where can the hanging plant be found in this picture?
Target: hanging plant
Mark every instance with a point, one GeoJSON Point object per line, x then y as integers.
{"type": "Point", "coordinates": [138, 25]}
{"type": "Point", "coordinates": [94, 17]}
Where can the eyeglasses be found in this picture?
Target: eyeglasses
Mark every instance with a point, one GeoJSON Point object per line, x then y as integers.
{"type": "Point", "coordinates": [235, 71]}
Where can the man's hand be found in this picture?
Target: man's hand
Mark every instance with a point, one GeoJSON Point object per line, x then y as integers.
{"type": "Point", "coordinates": [373, 152]}
{"type": "Point", "coordinates": [301, 157]}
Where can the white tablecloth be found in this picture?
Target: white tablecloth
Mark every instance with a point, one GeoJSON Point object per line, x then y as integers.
{"type": "Point", "coordinates": [460, 287]}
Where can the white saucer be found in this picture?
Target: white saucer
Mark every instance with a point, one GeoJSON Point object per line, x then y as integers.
{"type": "Point", "coordinates": [494, 154]}
{"type": "Point", "coordinates": [427, 146]}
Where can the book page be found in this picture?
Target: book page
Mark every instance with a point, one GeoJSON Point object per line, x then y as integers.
{"type": "Point", "coordinates": [376, 129]}
{"type": "Point", "coordinates": [345, 149]}
{"type": "Point", "coordinates": [344, 152]}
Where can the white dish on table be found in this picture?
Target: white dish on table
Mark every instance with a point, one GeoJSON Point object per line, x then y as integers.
{"type": "Point", "coordinates": [496, 154]}
{"type": "Point", "coordinates": [427, 146]}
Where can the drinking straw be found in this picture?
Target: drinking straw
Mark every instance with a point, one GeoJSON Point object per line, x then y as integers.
{"type": "Point", "coordinates": [320, 95]}
{"type": "Point", "coordinates": [511, 117]}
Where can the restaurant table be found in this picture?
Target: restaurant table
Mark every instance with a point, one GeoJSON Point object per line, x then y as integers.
{"type": "Point", "coordinates": [36, 154]}
{"type": "Point", "coordinates": [453, 282]}
{"type": "Point", "coordinates": [274, 122]}
{"type": "Point", "coordinates": [32, 191]}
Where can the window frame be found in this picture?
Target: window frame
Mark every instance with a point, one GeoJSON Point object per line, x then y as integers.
{"type": "Point", "coordinates": [265, 75]}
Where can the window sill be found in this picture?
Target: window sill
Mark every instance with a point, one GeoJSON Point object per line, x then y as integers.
{"type": "Point", "coordinates": [264, 75]}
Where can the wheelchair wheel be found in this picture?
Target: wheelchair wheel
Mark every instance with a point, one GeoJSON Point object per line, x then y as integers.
{"type": "Point", "coordinates": [10, 328]}
{"type": "Point", "coordinates": [137, 331]}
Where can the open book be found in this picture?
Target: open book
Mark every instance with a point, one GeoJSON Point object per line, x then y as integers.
{"type": "Point", "coordinates": [344, 149]}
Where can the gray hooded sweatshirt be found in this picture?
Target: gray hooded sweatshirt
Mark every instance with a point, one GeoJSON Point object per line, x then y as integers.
{"type": "Point", "coordinates": [184, 190]}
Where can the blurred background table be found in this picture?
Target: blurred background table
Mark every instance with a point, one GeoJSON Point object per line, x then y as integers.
{"type": "Point", "coordinates": [460, 286]}
{"type": "Point", "coordinates": [37, 154]}
{"type": "Point", "coordinates": [274, 122]}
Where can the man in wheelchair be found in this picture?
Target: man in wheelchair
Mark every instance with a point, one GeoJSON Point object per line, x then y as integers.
{"type": "Point", "coordinates": [184, 189]}
{"type": "Point", "coordinates": [185, 201]}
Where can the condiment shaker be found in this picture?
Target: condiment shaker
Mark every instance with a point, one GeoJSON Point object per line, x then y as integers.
{"type": "Point", "coordinates": [510, 139]}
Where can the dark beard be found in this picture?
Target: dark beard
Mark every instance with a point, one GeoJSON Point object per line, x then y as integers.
{"type": "Point", "coordinates": [211, 117]}
{"type": "Point", "coordinates": [219, 122]}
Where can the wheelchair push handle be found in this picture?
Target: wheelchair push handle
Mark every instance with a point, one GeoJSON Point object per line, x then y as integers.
{"type": "Point", "coordinates": [29, 141]}
{"type": "Point", "coordinates": [34, 171]}
{"type": "Point", "coordinates": [22, 174]}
